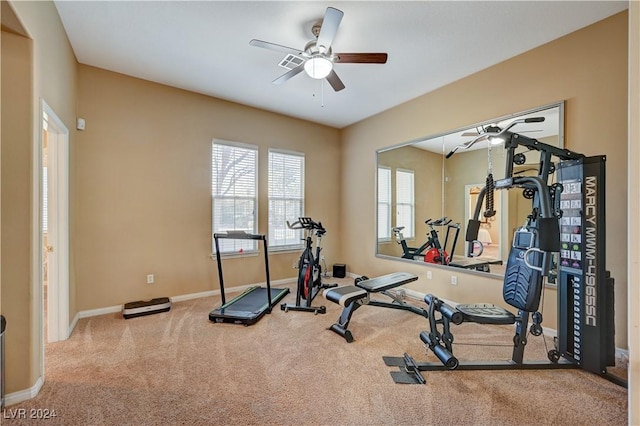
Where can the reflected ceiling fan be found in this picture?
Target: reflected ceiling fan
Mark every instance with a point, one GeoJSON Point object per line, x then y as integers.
{"type": "Point", "coordinates": [317, 58]}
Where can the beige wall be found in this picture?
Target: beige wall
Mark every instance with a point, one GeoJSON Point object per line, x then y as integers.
{"type": "Point", "coordinates": [144, 188]}
{"type": "Point", "coordinates": [16, 221]}
{"type": "Point", "coordinates": [565, 69]}
{"type": "Point", "coordinates": [50, 75]}
{"type": "Point", "coordinates": [595, 91]}
{"type": "Point", "coordinates": [634, 212]}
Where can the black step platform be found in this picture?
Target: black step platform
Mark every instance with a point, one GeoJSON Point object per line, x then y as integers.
{"type": "Point", "coordinates": [146, 307]}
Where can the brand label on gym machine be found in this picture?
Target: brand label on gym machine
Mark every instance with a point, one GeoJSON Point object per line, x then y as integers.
{"type": "Point", "coordinates": [575, 253]}
{"type": "Point", "coordinates": [591, 198]}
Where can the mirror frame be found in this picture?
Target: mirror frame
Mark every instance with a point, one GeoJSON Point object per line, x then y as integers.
{"type": "Point", "coordinates": [561, 143]}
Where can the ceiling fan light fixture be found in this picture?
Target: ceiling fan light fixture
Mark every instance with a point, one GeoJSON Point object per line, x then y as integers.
{"type": "Point", "coordinates": [318, 67]}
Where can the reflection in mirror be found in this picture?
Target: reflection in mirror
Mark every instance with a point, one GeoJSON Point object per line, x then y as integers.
{"type": "Point", "coordinates": [424, 199]}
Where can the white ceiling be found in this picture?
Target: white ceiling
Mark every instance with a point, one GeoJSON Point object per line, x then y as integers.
{"type": "Point", "coordinates": [204, 46]}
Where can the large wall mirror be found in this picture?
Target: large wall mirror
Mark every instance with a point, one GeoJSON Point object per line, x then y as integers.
{"type": "Point", "coordinates": [417, 182]}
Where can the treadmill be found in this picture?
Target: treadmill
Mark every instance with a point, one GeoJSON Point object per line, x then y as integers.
{"type": "Point", "coordinates": [253, 303]}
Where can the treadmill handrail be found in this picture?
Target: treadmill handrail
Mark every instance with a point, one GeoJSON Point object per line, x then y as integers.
{"type": "Point", "coordinates": [239, 235]}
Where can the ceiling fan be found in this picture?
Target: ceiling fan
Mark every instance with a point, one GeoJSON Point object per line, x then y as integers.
{"type": "Point", "coordinates": [317, 58]}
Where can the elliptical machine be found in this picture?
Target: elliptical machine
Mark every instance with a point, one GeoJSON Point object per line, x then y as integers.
{"type": "Point", "coordinates": [309, 268]}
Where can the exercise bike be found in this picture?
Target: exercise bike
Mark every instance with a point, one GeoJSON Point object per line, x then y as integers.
{"type": "Point", "coordinates": [432, 251]}
{"type": "Point", "coordinates": [309, 268]}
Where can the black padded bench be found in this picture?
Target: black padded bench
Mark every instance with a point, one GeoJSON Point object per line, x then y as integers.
{"type": "Point", "coordinates": [351, 297]}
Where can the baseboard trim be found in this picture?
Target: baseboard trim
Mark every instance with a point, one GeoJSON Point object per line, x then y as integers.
{"type": "Point", "coordinates": [178, 298]}
{"type": "Point", "coordinates": [24, 395]}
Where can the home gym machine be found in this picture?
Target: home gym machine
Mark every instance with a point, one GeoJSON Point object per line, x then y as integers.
{"type": "Point", "coordinates": [253, 303]}
{"type": "Point", "coordinates": [432, 251]}
{"type": "Point", "coordinates": [309, 268]}
{"type": "Point", "coordinates": [567, 217]}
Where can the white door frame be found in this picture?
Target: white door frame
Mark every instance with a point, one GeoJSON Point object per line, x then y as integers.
{"type": "Point", "coordinates": [58, 223]}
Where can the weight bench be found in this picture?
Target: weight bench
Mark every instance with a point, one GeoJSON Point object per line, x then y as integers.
{"type": "Point", "coordinates": [352, 297]}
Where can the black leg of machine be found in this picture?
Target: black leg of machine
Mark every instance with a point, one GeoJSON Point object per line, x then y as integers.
{"type": "Point", "coordinates": [252, 304]}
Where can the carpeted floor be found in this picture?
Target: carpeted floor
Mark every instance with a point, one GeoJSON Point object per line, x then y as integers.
{"type": "Point", "coordinates": [177, 368]}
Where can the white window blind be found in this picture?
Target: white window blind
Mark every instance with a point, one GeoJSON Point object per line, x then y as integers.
{"type": "Point", "coordinates": [405, 202]}
{"type": "Point", "coordinates": [234, 184]}
{"type": "Point", "coordinates": [286, 198]}
{"type": "Point", "coordinates": [384, 203]}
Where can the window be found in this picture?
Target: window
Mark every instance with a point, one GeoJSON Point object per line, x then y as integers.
{"type": "Point", "coordinates": [286, 198]}
{"type": "Point", "coordinates": [234, 170]}
{"type": "Point", "coordinates": [405, 202]}
{"type": "Point", "coordinates": [384, 203]}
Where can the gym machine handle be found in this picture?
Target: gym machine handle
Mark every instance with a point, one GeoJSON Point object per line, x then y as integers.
{"type": "Point", "coordinates": [530, 251]}
{"type": "Point", "coordinates": [443, 221]}
{"type": "Point", "coordinates": [305, 223]}
{"type": "Point", "coordinates": [492, 134]}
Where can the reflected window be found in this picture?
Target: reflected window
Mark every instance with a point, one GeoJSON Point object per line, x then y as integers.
{"type": "Point", "coordinates": [405, 205]}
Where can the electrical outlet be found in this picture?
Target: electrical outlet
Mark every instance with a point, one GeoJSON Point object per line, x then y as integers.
{"type": "Point", "coordinates": [454, 280]}
{"type": "Point", "coordinates": [150, 279]}
{"type": "Point", "coordinates": [429, 275]}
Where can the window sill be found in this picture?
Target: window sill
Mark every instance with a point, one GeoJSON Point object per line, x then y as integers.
{"type": "Point", "coordinates": [285, 250]}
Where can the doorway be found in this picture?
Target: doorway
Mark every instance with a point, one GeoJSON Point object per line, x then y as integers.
{"type": "Point", "coordinates": [490, 232]}
{"type": "Point", "coordinates": [54, 232]}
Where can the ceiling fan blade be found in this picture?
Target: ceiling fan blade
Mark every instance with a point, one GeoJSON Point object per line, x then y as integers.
{"type": "Point", "coordinates": [335, 81]}
{"type": "Point", "coordinates": [291, 73]}
{"type": "Point", "coordinates": [276, 47]}
{"type": "Point", "coordinates": [361, 58]}
{"type": "Point", "coordinates": [330, 23]}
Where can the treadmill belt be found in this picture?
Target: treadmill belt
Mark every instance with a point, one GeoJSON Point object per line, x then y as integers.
{"type": "Point", "coordinates": [248, 307]}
